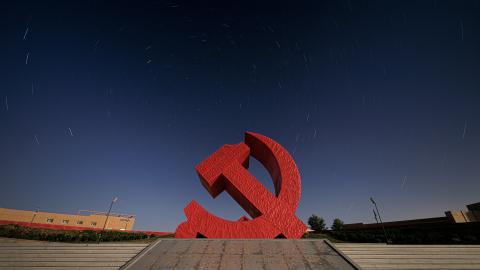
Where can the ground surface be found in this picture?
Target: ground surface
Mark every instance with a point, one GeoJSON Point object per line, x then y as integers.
{"type": "Point", "coordinates": [381, 256]}
{"type": "Point", "coordinates": [234, 254]}
{"type": "Point", "coordinates": [279, 254]}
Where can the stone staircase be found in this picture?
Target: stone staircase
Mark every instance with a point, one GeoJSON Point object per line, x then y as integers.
{"type": "Point", "coordinates": [32, 255]}
{"type": "Point", "coordinates": [381, 256]}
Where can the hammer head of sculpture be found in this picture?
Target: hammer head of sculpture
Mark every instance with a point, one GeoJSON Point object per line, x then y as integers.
{"type": "Point", "coordinates": [226, 170]}
{"type": "Point", "coordinates": [211, 170]}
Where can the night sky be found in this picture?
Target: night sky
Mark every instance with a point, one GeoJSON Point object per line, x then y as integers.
{"type": "Point", "coordinates": [103, 99]}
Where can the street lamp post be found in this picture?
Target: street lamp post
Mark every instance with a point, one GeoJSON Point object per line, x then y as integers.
{"type": "Point", "coordinates": [106, 219]}
{"type": "Point", "coordinates": [380, 218]}
{"type": "Point", "coordinates": [34, 215]}
{"type": "Point", "coordinates": [375, 215]}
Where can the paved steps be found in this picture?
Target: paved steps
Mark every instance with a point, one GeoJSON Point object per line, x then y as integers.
{"type": "Point", "coordinates": [232, 254]}
{"type": "Point", "coordinates": [381, 256]}
{"type": "Point", "coordinates": [32, 255]}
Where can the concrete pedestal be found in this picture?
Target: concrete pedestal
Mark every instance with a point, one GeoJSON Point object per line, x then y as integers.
{"type": "Point", "coordinates": [234, 254]}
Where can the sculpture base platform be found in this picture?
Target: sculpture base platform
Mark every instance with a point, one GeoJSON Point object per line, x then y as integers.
{"type": "Point", "coordinates": [234, 254]}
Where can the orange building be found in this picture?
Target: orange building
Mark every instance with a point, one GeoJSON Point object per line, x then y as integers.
{"type": "Point", "coordinates": [84, 219]}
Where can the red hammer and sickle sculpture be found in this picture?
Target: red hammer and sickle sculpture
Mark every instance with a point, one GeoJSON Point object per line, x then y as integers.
{"type": "Point", "coordinates": [273, 216]}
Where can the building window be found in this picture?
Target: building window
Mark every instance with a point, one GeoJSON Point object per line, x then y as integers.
{"type": "Point", "coordinates": [50, 220]}
{"type": "Point", "coordinates": [80, 222]}
{"type": "Point", "coordinates": [94, 223]}
{"type": "Point", "coordinates": [65, 221]}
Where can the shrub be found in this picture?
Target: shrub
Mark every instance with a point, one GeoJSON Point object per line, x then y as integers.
{"type": "Point", "coordinates": [15, 231]}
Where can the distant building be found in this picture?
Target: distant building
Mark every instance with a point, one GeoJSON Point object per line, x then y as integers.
{"type": "Point", "coordinates": [472, 215]}
{"type": "Point", "coordinates": [84, 219]}
{"type": "Point", "coordinates": [451, 218]}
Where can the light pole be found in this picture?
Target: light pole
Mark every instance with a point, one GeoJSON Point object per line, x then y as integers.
{"type": "Point", "coordinates": [106, 219]}
{"type": "Point", "coordinates": [34, 215]}
{"type": "Point", "coordinates": [375, 215]}
{"type": "Point", "coordinates": [380, 218]}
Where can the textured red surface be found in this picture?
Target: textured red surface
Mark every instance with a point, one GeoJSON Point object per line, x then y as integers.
{"type": "Point", "coordinates": [70, 228]}
{"type": "Point", "coordinates": [272, 215]}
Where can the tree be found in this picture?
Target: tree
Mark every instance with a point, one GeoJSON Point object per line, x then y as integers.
{"type": "Point", "coordinates": [316, 223]}
{"type": "Point", "coordinates": [337, 224]}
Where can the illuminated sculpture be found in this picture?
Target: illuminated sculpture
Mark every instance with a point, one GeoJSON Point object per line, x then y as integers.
{"type": "Point", "coordinates": [273, 216]}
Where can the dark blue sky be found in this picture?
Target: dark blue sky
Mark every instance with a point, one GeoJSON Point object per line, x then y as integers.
{"type": "Point", "coordinates": [372, 98]}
